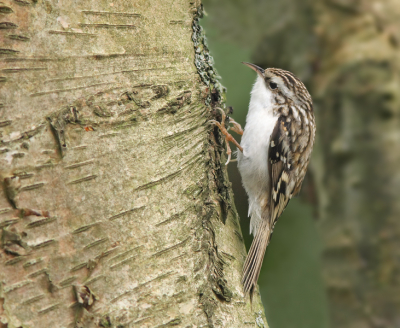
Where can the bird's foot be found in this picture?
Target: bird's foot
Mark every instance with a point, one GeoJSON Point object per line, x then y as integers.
{"type": "Point", "coordinates": [228, 136]}
{"type": "Point", "coordinates": [236, 126]}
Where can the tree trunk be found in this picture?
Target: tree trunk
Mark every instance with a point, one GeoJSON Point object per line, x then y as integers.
{"type": "Point", "coordinates": [115, 210]}
{"type": "Point", "coordinates": [356, 92]}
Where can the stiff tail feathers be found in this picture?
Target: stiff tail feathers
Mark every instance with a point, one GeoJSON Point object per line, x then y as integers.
{"type": "Point", "coordinates": [254, 259]}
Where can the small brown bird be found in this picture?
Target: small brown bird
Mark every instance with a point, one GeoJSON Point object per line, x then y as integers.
{"type": "Point", "coordinates": [273, 155]}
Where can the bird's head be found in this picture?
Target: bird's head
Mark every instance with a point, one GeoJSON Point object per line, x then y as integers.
{"type": "Point", "coordinates": [282, 85]}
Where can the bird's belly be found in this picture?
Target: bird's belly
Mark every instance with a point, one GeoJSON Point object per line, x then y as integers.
{"type": "Point", "coordinates": [253, 162]}
{"type": "Point", "coordinates": [254, 172]}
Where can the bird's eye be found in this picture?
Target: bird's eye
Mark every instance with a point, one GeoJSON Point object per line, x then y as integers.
{"type": "Point", "coordinates": [273, 85]}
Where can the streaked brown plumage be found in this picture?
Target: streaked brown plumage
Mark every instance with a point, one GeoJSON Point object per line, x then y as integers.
{"type": "Point", "coordinates": [275, 150]}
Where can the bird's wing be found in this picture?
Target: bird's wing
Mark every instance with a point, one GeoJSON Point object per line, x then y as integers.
{"type": "Point", "coordinates": [281, 186]}
{"type": "Point", "coordinates": [280, 166]}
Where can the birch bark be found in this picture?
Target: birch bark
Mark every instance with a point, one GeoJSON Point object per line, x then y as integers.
{"type": "Point", "coordinates": [115, 210]}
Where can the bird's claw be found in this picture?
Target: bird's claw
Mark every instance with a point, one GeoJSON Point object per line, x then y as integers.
{"type": "Point", "coordinates": [236, 126]}
{"type": "Point", "coordinates": [228, 136]}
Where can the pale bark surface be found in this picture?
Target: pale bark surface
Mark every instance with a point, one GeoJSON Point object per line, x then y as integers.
{"type": "Point", "coordinates": [115, 210]}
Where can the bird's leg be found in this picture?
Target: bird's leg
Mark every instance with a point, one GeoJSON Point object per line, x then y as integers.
{"type": "Point", "coordinates": [228, 136]}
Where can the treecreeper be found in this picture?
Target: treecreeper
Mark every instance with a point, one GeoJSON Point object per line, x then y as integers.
{"type": "Point", "coordinates": [272, 156]}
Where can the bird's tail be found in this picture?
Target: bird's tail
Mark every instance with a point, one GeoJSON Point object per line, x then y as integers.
{"type": "Point", "coordinates": [254, 259]}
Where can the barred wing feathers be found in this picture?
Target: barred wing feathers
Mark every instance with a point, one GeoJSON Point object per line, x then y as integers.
{"type": "Point", "coordinates": [281, 187]}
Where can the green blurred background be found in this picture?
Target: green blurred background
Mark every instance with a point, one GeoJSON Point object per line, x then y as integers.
{"type": "Point", "coordinates": [334, 258]}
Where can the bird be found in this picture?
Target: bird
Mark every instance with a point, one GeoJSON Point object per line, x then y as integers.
{"type": "Point", "coordinates": [272, 156]}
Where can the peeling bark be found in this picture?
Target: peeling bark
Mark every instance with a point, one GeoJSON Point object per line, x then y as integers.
{"type": "Point", "coordinates": [115, 210]}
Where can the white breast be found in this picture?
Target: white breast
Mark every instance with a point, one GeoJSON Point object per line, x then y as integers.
{"type": "Point", "coordinates": [253, 162]}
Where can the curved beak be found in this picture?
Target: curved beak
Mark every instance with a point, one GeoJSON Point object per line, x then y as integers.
{"type": "Point", "coordinates": [257, 69]}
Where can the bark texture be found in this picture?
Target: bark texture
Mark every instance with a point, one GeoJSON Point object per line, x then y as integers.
{"type": "Point", "coordinates": [114, 210]}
